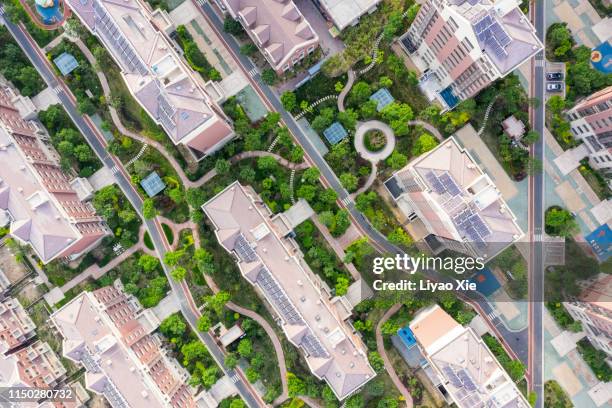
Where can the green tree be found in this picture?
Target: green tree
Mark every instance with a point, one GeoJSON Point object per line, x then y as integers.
{"type": "Point", "coordinates": [231, 361]}
{"type": "Point", "coordinates": [397, 160]}
{"type": "Point", "coordinates": [204, 261]}
{"type": "Point", "coordinates": [173, 326]}
{"type": "Point", "coordinates": [342, 284]}
{"type": "Point", "coordinates": [531, 137]}
{"type": "Point", "coordinates": [267, 163]}
{"type": "Point", "coordinates": [268, 76]}
{"type": "Point", "coordinates": [252, 375]}
{"type": "Point", "coordinates": [178, 273]}
{"type": "Point", "coordinates": [248, 49]}
{"type": "Point", "coordinates": [400, 237]}
{"type": "Point", "coordinates": [245, 348]}
{"type": "Point", "coordinates": [360, 93]}
{"type": "Point", "coordinates": [204, 323]}
{"type": "Point", "coordinates": [311, 175]}
{"type": "Point", "coordinates": [289, 101]}
{"type": "Point", "coordinates": [172, 258]}
{"type": "Point", "coordinates": [148, 263]}
{"type": "Point", "coordinates": [193, 351]}
{"type": "Point", "coordinates": [397, 114]}
{"type": "Point", "coordinates": [217, 301]}
{"type": "Point", "coordinates": [349, 181]}
{"type": "Point", "coordinates": [148, 208]}
{"type": "Point", "coordinates": [295, 385]}
{"type": "Point", "coordinates": [232, 26]}
{"type": "Point", "coordinates": [348, 119]}
{"type": "Point", "coordinates": [423, 144]}
{"type": "Point", "coordinates": [222, 166]}
{"type": "Point", "coordinates": [559, 221]}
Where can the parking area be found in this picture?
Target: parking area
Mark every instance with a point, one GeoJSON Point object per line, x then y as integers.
{"type": "Point", "coordinates": [555, 79]}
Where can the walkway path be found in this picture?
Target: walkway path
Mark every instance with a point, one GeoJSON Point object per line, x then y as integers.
{"type": "Point", "coordinates": [380, 346]}
{"type": "Point", "coordinates": [278, 347]}
{"type": "Point", "coordinates": [371, 179]}
{"type": "Point", "coordinates": [335, 245]}
{"type": "Point", "coordinates": [429, 127]}
{"type": "Point", "coordinates": [362, 129]}
{"type": "Point", "coordinates": [96, 272]}
{"type": "Point", "coordinates": [347, 88]}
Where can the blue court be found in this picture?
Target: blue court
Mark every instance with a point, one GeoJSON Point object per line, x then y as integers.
{"type": "Point", "coordinates": [486, 282]}
{"type": "Point", "coordinates": [600, 240]}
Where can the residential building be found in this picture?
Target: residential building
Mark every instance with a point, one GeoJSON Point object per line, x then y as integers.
{"type": "Point", "coordinates": [593, 309]}
{"type": "Point", "coordinates": [454, 202]}
{"type": "Point", "coordinates": [34, 366]}
{"type": "Point", "coordinates": [16, 327]}
{"type": "Point", "coordinates": [110, 334]}
{"type": "Point", "coordinates": [461, 46]}
{"type": "Point", "coordinates": [278, 28]}
{"type": "Point", "coordinates": [156, 76]}
{"type": "Point", "coordinates": [460, 364]}
{"type": "Point", "coordinates": [591, 122]}
{"type": "Point", "coordinates": [345, 13]}
{"type": "Point", "coordinates": [36, 198]}
{"type": "Point", "coordinates": [270, 259]}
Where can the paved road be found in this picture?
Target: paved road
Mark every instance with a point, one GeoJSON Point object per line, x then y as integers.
{"type": "Point", "coordinates": [123, 181]}
{"type": "Point", "coordinates": [536, 219]}
{"type": "Point", "coordinates": [516, 341]}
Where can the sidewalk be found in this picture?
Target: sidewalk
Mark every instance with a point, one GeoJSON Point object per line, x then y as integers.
{"type": "Point", "coordinates": [335, 245]}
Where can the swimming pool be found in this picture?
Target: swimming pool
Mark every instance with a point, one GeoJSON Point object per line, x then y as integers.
{"type": "Point", "coordinates": [50, 15]}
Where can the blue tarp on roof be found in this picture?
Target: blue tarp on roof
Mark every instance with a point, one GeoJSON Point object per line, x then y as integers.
{"type": "Point", "coordinates": [152, 184]}
{"type": "Point", "coordinates": [600, 240]}
{"type": "Point", "coordinates": [66, 63]}
{"type": "Point", "coordinates": [382, 97]}
{"type": "Point", "coordinates": [335, 133]}
{"type": "Point", "coordinates": [486, 282]}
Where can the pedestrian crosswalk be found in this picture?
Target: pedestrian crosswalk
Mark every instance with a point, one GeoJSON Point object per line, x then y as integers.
{"type": "Point", "coordinates": [57, 89]}
{"type": "Point", "coordinates": [114, 170]}
{"type": "Point", "coordinates": [253, 72]}
{"type": "Point", "coordinates": [235, 378]}
{"type": "Point", "coordinates": [346, 200]}
{"type": "Point", "coordinates": [493, 314]}
{"type": "Point", "coordinates": [1, 10]}
{"type": "Point", "coordinates": [537, 237]}
{"type": "Point", "coordinates": [200, 2]}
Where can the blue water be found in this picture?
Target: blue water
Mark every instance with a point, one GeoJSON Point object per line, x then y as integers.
{"type": "Point", "coordinates": [50, 15]}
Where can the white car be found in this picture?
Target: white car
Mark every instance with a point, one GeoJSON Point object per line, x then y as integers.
{"type": "Point", "coordinates": [554, 87]}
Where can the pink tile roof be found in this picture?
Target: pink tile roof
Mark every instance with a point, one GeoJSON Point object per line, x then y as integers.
{"type": "Point", "coordinates": [103, 325]}
{"type": "Point", "coordinates": [160, 81]}
{"type": "Point", "coordinates": [278, 27]}
{"type": "Point", "coordinates": [332, 351]}
{"type": "Point", "coordinates": [16, 327]}
{"type": "Point", "coordinates": [46, 212]}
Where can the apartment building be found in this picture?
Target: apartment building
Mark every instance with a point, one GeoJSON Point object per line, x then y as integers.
{"type": "Point", "coordinates": [458, 206]}
{"type": "Point", "coordinates": [345, 13]}
{"type": "Point", "coordinates": [16, 327]}
{"type": "Point", "coordinates": [271, 261]}
{"type": "Point", "coordinates": [591, 122]}
{"type": "Point", "coordinates": [460, 364]}
{"type": "Point", "coordinates": [110, 335]}
{"type": "Point", "coordinates": [278, 28]}
{"type": "Point", "coordinates": [593, 309]}
{"type": "Point", "coordinates": [461, 46]}
{"type": "Point", "coordinates": [156, 76]}
{"type": "Point", "coordinates": [36, 198]}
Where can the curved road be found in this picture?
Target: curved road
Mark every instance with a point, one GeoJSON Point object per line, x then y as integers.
{"type": "Point", "coordinates": [98, 144]}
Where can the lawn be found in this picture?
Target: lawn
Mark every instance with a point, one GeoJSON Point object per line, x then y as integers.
{"type": "Point", "coordinates": [168, 233]}
{"type": "Point", "coordinates": [596, 359]}
{"type": "Point", "coordinates": [597, 182]}
{"type": "Point", "coordinates": [514, 368]}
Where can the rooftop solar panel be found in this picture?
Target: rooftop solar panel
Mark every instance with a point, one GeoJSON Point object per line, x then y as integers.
{"type": "Point", "coordinates": [434, 182]}
{"type": "Point", "coordinates": [450, 184]}
{"type": "Point", "coordinates": [244, 250]}
{"type": "Point", "coordinates": [382, 97]}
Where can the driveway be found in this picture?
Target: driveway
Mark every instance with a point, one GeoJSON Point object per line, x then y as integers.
{"type": "Point", "coordinates": [329, 44]}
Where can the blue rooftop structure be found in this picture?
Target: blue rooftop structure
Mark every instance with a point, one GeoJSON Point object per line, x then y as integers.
{"type": "Point", "coordinates": [152, 184]}
{"type": "Point", "coordinates": [335, 133]}
{"type": "Point", "coordinates": [66, 63]}
{"type": "Point", "coordinates": [486, 282]}
{"type": "Point", "coordinates": [407, 336]}
{"type": "Point", "coordinates": [449, 97]}
{"type": "Point", "coordinates": [382, 97]}
{"type": "Point", "coordinates": [600, 240]}
{"type": "Point", "coordinates": [601, 57]}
